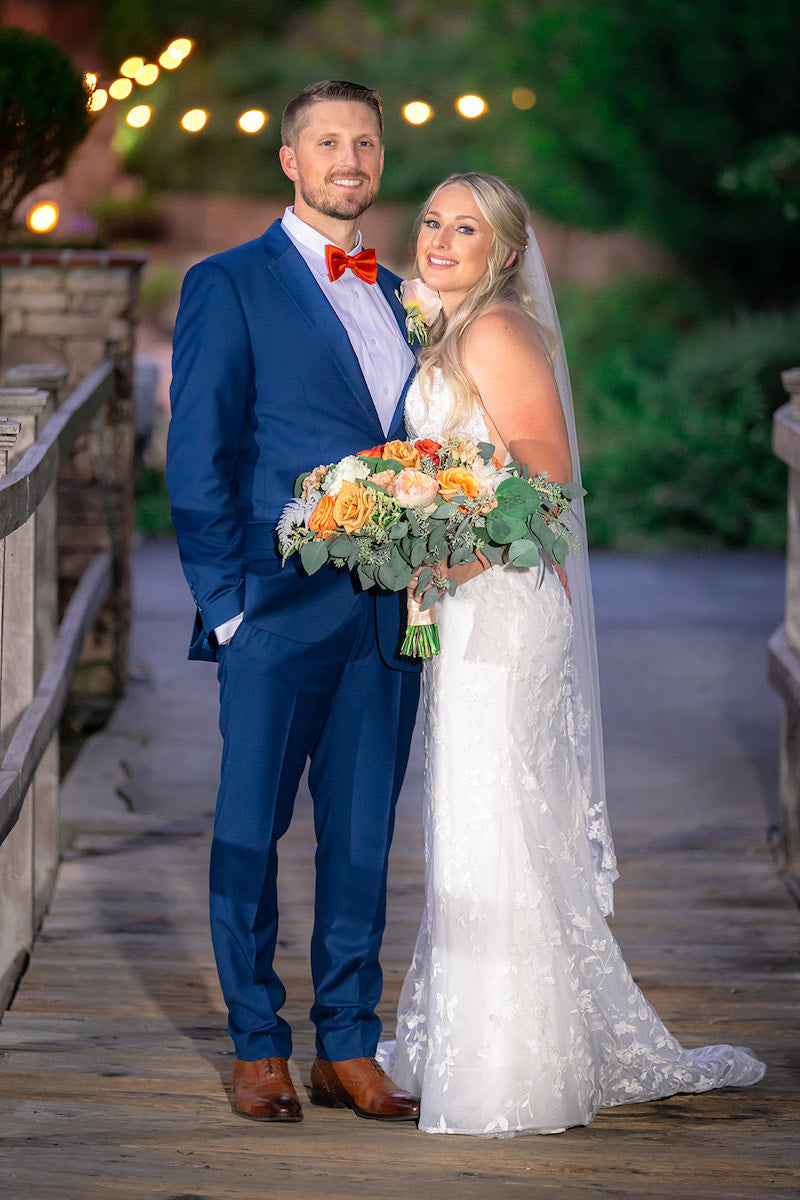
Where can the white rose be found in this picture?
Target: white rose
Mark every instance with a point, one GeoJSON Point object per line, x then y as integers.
{"type": "Point", "coordinates": [350, 469]}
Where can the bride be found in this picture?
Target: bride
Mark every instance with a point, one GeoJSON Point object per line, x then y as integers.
{"type": "Point", "coordinates": [518, 1014]}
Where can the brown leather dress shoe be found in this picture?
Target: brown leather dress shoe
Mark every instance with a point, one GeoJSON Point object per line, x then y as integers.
{"type": "Point", "coordinates": [263, 1090]}
{"type": "Point", "coordinates": [363, 1085]}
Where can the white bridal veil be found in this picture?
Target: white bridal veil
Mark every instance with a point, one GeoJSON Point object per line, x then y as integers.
{"type": "Point", "coordinates": [586, 686]}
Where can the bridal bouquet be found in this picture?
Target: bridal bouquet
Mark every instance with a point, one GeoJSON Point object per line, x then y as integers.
{"type": "Point", "coordinates": [402, 508]}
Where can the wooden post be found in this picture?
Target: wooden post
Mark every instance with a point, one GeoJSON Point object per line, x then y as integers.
{"type": "Point", "coordinates": [784, 646]}
{"type": "Point", "coordinates": [16, 902]}
{"type": "Point", "coordinates": [43, 384]}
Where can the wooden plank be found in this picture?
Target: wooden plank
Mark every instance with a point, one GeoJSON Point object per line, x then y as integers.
{"type": "Point", "coordinates": [21, 491]}
{"type": "Point", "coordinates": [41, 718]}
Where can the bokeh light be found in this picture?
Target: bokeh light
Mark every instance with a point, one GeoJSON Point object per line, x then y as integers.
{"type": "Point", "coordinates": [98, 99]}
{"type": "Point", "coordinates": [43, 218]}
{"type": "Point", "coordinates": [417, 112]}
{"type": "Point", "coordinates": [252, 121]}
{"type": "Point", "coordinates": [90, 79]}
{"type": "Point", "coordinates": [471, 106]}
{"type": "Point", "coordinates": [120, 89]}
{"type": "Point", "coordinates": [169, 61]}
{"type": "Point", "coordinates": [179, 48]}
{"type": "Point", "coordinates": [131, 66]}
{"type": "Point", "coordinates": [523, 97]}
{"type": "Point", "coordinates": [138, 117]}
{"type": "Point", "coordinates": [194, 120]}
{"type": "Point", "coordinates": [146, 75]}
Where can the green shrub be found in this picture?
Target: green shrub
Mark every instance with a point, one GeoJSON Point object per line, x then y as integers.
{"type": "Point", "coordinates": [676, 428]}
{"type": "Point", "coordinates": [152, 504]}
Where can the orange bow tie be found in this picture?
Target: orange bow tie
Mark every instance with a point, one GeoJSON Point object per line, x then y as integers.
{"type": "Point", "coordinates": [364, 265]}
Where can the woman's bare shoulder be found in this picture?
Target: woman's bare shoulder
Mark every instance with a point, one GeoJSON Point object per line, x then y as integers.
{"type": "Point", "coordinates": [505, 329]}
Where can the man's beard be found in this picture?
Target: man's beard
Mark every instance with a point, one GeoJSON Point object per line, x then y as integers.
{"type": "Point", "coordinates": [343, 209]}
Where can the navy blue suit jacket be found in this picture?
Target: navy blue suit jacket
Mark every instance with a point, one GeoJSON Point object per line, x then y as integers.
{"type": "Point", "coordinates": [265, 385]}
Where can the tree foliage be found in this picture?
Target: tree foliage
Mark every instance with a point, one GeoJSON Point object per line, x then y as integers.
{"type": "Point", "coordinates": [642, 106]}
{"type": "Point", "coordinates": [43, 116]}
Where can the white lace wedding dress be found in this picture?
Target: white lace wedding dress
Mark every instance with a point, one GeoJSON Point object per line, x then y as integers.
{"type": "Point", "coordinates": [518, 1014]}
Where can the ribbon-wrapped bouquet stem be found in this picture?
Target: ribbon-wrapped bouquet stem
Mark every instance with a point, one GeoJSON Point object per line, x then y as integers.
{"type": "Point", "coordinates": [394, 513]}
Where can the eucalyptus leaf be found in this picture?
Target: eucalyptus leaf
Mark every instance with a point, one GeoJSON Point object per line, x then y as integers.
{"type": "Point", "coordinates": [313, 555]}
{"type": "Point", "coordinates": [386, 577]}
{"type": "Point", "coordinates": [517, 497]}
{"type": "Point", "coordinates": [430, 598]}
{"type": "Point", "coordinates": [366, 576]}
{"type": "Point", "coordinates": [398, 531]}
{"type": "Point", "coordinates": [443, 511]}
{"type": "Point", "coordinates": [418, 552]}
{"type": "Point", "coordinates": [494, 554]}
{"type": "Point", "coordinates": [560, 551]}
{"type": "Point", "coordinates": [486, 450]}
{"type": "Point", "coordinates": [413, 523]}
{"type": "Point", "coordinates": [462, 554]}
{"type": "Point", "coordinates": [425, 578]}
{"type": "Point", "coordinates": [297, 490]}
{"type": "Point", "coordinates": [523, 554]}
{"type": "Point", "coordinates": [573, 490]}
{"type": "Point", "coordinates": [504, 528]}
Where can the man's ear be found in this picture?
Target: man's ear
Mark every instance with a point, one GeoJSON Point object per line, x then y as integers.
{"type": "Point", "coordinates": [288, 162]}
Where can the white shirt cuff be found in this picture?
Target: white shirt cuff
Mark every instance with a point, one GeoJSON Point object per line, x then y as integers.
{"type": "Point", "coordinates": [226, 631]}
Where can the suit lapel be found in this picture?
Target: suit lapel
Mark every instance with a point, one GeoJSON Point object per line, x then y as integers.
{"type": "Point", "coordinates": [302, 289]}
{"type": "Point", "coordinates": [389, 285]}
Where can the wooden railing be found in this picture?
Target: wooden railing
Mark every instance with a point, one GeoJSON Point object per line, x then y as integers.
{"type": "Point", "coordinates": [38, 656]}
{"type": "Point", "coordinates": [784, 646]}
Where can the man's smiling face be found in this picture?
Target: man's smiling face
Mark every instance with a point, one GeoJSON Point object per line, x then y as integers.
{"type": "Point", "coordinates": [337, 163]}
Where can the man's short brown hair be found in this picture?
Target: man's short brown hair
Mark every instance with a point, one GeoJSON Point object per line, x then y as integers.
{"type": "Point", "coordinates": [295, 117]}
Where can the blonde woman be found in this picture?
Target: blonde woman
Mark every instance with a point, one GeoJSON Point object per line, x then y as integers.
{"type": "Point", "coordinates": [518, 1014]}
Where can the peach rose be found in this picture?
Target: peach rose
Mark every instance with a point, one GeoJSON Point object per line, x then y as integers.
{"type": "Point", "coordinates": [417, 295]}
{"type": "Point", "coordinates": [353, 506]}
{"type": "Point", "coordinates": [402, 452]}
{"type": "Point", "coordinates": [385, 479]}
{"type": "Point", "coordinates": [415, 489]}
{"type": "Point", "coordinates": [322, 521]}
{"type": "Point", "coordinates": [312, 482]}
{"type": "Point", "coordinates": [458, 479]}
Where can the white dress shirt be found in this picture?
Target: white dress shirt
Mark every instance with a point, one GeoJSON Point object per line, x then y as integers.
{"type": "Point", "coordinates": [383, 353]}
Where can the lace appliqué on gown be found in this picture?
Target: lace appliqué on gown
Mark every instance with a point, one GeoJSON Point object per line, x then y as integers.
{"type": "Point", "coordinates": [518, 1013]}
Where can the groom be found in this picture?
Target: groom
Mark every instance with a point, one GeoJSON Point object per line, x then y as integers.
{"type": "Point", "coordinates": [289, 352]}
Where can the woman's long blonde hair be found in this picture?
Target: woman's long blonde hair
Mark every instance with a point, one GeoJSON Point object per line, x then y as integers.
{"type": "Point", "coordinates": [507, 213]}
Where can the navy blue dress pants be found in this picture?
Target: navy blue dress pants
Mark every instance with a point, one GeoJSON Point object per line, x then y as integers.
{"type": "Point", "coordinates": [282, 703]}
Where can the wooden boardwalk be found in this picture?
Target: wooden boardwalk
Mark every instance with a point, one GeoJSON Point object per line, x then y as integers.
{"type": "Point", "coordinates": [114, 1063]}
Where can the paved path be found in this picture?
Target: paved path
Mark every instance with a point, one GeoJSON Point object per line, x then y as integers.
{"type": "Point", "coordinates": [113, 1058]}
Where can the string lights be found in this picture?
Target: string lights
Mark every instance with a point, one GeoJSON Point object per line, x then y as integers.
{"type": "Point", "coordinates": [136, 71]}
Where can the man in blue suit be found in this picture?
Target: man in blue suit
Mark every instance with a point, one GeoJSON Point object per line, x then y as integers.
{"type": "Point", "coordinates": [290, 351]}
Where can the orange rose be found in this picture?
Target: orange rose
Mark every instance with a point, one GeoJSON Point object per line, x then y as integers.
{"type": "Point", "coordinates": [353, 506]}
{"type": "Point", "coordinates": [428, 448]}
{"type": "Point", "coordinates": [402, 452]}
{"type": "Point", "coordinates": [375, 452]}
{"type": "Point", "coordinates": [322, 520]}
{"type": "Point", "coordinates": [384, 479]}
{"type": "Point", "coordinates": [458, 479]}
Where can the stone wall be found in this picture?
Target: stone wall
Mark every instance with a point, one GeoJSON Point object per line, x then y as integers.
{"type": "Point", "coordinates": [67, 309]}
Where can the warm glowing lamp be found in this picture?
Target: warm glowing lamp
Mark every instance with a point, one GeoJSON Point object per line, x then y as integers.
{"type": "Point", "coordinates": [98, 99]}
{"type": "Point", "coordinates": [252, 120]}
{"type": "Point", "coordinates": [417, 112]}
{"type": "Point", "coordinates": [120, 89]}
{"type": "Point", "coordinates": [179, 48]}
{"type": "Point", "coordinates": [194, 120]}
{"type": "Point", "coordinates": [146, 75]}
{"type": "Point", "coordinates": [471, 106]}
{"type": "Point", "coordinates": [522, 97]}
{"type": "Point", "coordinates": [138, 117]}
{"type": "Point", "coordinates": [131, 66]}
{"type": "Point", "coordinates": [43, 218]}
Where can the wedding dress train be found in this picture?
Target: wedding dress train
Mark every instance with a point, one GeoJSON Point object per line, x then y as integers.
{"type": "Point", "coordinates": [518, 1013]}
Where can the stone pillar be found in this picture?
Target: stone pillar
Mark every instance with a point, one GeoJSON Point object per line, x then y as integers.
{"type": "Point", "coordinates": [69, 308]}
